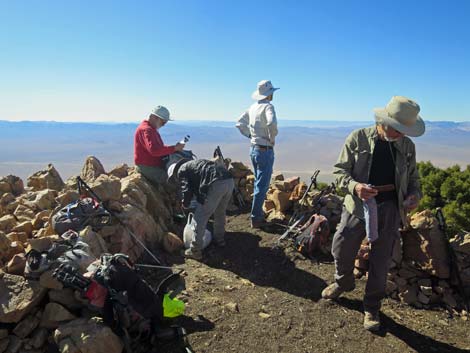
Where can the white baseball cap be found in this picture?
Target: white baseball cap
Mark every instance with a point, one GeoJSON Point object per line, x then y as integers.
{"type": "Point", "coordinates": [161, 112]}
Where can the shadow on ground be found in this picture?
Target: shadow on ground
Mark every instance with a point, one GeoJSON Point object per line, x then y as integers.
{"type": "Point", "coordinates": [415, 340]}
{"type": "Point", "coordinates": [264, 266]}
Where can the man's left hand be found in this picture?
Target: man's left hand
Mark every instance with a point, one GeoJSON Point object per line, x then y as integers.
{"type": "Point", "coordinates": [410, 203]}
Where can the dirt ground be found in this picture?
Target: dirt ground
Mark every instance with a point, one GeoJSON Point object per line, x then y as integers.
{"type": "Point", "coordinates": [252, 296]}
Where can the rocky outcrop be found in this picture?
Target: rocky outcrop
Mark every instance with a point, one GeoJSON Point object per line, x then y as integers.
{"type": "Point", "coordinates": [46, 179]}
{"type": "Point", "coordinates": [92, 169]}
{"type": "Point", "coordinates": [11, 184]}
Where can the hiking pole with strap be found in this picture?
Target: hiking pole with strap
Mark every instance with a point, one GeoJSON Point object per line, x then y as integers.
{"type": "Point", "coordinates": [296, 214]}
{"type": "Point", "coordinates": [83, 184]}
{"type": "Point", "coordinates": [453, 257]}
{"type": "Point", "coordinates": [236, 191]}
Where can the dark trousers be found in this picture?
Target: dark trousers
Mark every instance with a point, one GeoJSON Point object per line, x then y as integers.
{"type": "Point", "coordinates": [347, 241]}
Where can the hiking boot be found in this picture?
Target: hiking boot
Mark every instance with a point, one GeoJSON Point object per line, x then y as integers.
{"type": "Point", "coordinates": [371, 321]}
{"type": "Point", "coordinates": [333, 291]}
{"type": "Point", "coordinates": [195, 255]}
{"type": "Point", "coordinates": [258, 223]}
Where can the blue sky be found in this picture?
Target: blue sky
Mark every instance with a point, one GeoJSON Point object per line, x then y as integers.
{"type": "Point", "coordinates": [334, 60]}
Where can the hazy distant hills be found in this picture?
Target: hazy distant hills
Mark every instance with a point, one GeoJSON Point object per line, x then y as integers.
{"type": "Point", "coordinates": [302, 146]}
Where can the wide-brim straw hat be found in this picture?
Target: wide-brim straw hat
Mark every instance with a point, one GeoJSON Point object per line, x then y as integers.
{"type": "Point", "coordinates": [264, 90]}
{"type": "Point", "coordinates": [402, 114]}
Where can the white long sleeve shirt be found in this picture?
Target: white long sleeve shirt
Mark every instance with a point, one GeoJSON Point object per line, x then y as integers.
{"type": "Point", "coordinates": [259, 123]}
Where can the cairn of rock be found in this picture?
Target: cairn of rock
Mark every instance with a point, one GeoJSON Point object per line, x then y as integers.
{"type": "Point", "coordinates": [285, 194]}
{"type": "Point", "coordinates": [35, 312]}
{"type": "Point", "coordinates": [420, 274]}
{"type": "Point", "coordinates": [243, 178]}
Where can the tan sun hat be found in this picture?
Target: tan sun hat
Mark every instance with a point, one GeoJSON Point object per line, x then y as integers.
{"type": "Point", "coordinates": [402, 114]}
{"type": "Point", "coordinates": [264, 89]}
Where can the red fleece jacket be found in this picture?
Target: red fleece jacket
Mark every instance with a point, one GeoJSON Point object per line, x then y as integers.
{"type": "Point", "coordinates": [149, 147]}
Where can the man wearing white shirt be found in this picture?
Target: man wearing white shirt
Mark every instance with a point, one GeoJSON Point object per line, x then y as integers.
{"type": "Point", "coordinates": [259, 124]}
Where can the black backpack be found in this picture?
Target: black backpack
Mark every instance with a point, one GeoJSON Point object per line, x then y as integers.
{"type": "Point", "coordinates": [80, 214]}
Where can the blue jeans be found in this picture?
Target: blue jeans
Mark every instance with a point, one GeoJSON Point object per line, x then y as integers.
{"type": "Point", "coordinates": [263, 161]}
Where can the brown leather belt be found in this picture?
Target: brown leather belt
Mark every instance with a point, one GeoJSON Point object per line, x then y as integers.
{"type": "Point", "coordinates": [263, 148]}
{"type": "Point", "coordinates": [384, 188]}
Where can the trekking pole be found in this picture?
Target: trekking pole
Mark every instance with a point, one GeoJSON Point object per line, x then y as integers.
{"type": "Point", "coordinates": [453, 257]}
{"type": "Point", "coordinates": [82, 183]}
{"type": "Point", "coordinates": [296, 214]}
{"type": "Point", "coordinates": [236, 191]}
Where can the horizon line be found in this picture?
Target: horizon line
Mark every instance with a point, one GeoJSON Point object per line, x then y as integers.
{"type": "Point", "coordinates": [102, 122]}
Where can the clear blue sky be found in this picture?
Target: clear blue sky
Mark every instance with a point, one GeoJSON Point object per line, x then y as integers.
{"type": "Point", "coordinates": [334, 60]}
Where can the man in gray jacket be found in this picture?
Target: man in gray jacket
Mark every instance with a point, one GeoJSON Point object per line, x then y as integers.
{"type": "Point", "coordinates": [212, 185]}
{"type": "Point", "coordinates": [259, 124]}
{"type": "Point", "coordinates": [376, 162]}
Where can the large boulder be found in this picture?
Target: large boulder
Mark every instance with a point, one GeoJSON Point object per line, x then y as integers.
{"type": "Point", "coordinates": [87, 336]}
{"type": "Point", "coordinates": [7, 223]}
{"type": "Point", "coordinates": [18, 297]}
{"type": "Point", "coordinates": [120, 171]}
{"type": "Point", "coordinates": [92, 169]}
{"type": "Point", "coordinates": [142, 226]}
{"type": "Point", "coordinates": [24, 213]}
{"type": "Point", "coordinates": [107, 188]}
{"type": "Point", "coordinates": [138, 192]}
{"type": "Point", "coordinates": [8, 203]}
{"type": "Point", "coordinates": [55, 315]}
{"type": "Point", "coordinates": [46, 179]}
{"type": "Point", "coordinates": [45, 200]}
{"type": "Point", "coordinates": [424, 245]}
{"type": "Point", "coordinates": [5, 244]}
{"type": "Point", "coordinates": [11, 184]}
{"type": "Point", "coordinates": [95, 241]}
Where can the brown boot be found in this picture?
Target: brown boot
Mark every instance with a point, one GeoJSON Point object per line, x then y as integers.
{"type": "Point", "coordinates": [333, 291]}
{"type": "Point", "coordinates": [371, 321]}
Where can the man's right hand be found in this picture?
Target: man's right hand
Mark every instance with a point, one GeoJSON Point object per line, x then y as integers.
{"type": "Point", "coordinates": [365, 192]}
{"type": "Point", "coordinates": [179, 147]}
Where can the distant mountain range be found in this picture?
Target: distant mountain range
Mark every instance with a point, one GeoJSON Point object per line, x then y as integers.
{"type": "Point", "coordinates": [302, 146]}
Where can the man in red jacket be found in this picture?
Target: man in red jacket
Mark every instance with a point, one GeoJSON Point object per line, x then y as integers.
{"type": "Point", "coordinates": [149, 147]}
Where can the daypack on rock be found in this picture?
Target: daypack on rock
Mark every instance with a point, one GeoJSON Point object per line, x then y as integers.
{"type": "Point", "coordinates": [68, 250]}
{"type": "Point", "coordinates": [80, 214]}
{"type": "Point", "coordinates": [127, 303]}
{"type": "Point", "coordinates": [314, 235]}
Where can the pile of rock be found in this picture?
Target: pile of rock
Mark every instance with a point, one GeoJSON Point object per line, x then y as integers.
{"type": "Point", "coordinates": [35, 311]}
{"type": "Point", "coordinates": [420, 274]}
{"type": "Point", "coordinates": [243, 178]}
{"type": "Point", "coordinates": [284, 196]}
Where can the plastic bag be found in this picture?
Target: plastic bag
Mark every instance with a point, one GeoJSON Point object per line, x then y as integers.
{"type": "Point", "coordinates": [190, 232]}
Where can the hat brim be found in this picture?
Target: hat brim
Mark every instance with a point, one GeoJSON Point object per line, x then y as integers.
{"type": "Point", "coordinates": [256, 96]}
{"type": "Point", "coordinates": [158, 116]}
{"type": "Point", "coordinates": [173, 169]}
{"type": "Point", "coordinates": [381, 117]}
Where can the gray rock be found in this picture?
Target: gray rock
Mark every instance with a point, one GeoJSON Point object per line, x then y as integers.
{"type": "Point", "coordinates": [39, 337]}
{"type": "Point", "coordinates": [26, 326]}
{"type": "Point", "coordinates": [4, 344]}
{"type": "Point", "coordinates": [87, 336]}
{"type": "Point", "coordinates": [65, 297]}
{"type": "Point", "coordinates": [14, 345]}
{"type": "Point", "coordinates": [55, 314]}
{"type": "Point", "coordinates": [18, 297]}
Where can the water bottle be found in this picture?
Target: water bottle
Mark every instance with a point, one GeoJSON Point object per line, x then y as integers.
{"type": "Point", "coordinates": [185, 139]}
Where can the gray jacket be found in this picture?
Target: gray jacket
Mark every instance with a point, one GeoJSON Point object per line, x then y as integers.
{"type": "Point", "coordinates": [354, 163]}
{"type": "Point", "coordinates": [259, 123]}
